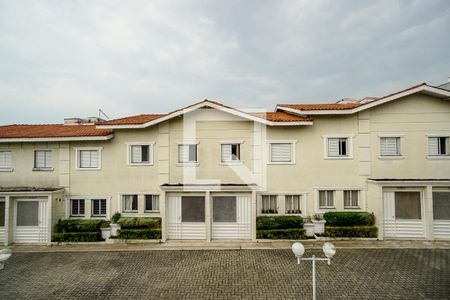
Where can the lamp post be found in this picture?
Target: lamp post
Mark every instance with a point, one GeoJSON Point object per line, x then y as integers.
{"type": "Point", "coordinates": [328, 249]}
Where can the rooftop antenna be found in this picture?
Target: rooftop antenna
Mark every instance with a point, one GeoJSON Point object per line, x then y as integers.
{"type": "Point", "coordinates": [101, 112]}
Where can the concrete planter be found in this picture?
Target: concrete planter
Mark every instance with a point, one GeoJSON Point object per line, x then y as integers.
{"type": "Point", "coordinates": [319, 226]}
{"type": "Point", "coordinates": [114, 229]}
{"type": "Point", "coordinates": [106, 233]}
{"type": "Point", "coordinates": [309, 229]}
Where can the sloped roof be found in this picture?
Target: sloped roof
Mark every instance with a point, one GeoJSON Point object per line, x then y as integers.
{"type": "Point", "coordinates": [51, 131]}
{"type": "Point", "coordinates": [131, 120]}
{"type": "Point", "coordinates": [323, 106]}
{"type": "Point", "coordinates": [280, 116]}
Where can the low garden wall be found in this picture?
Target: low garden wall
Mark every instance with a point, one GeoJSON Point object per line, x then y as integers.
{"type": "Point", "coordinates": [280, 227]}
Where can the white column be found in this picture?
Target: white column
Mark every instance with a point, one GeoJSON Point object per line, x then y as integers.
{"type": "Point", "coordinates": [49, 218]}
{"type": "Point", "coordinates": [253, 220]}
{"type": "Point", "coordinates": [8, 221]}
{"type": "Point", "coordinates": [164, 216]}
{"type": "Point", "coordinates": [208, 218]}
{"type": "Point", "coordinates": [428, 212]}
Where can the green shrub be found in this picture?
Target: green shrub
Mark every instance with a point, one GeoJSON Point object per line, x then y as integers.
{"type": "Point", "coordinates": [115, 217]}
{"type": "Point", "coordinates": [351, 231]}
{"type": "Point", "coordinates": [278, 222]}
{"type": "Point", "coordinates": [76, 225]}
{"type": "Point", "coordinates": [139, 223]}
{"type": "Point", "coordinates": [76, 237]}
{"type": "Point", "coordinates": [281, 234]}
{"type": "Point", "coordinates": [140, 234]}
{"type": "Point", "coordinates": [349, 218]}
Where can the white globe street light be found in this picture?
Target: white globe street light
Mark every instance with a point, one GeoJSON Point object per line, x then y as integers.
{"type": "Point", "coordinates": [328, 249]}
{"type": "Point", "coordinates": [4, 255]}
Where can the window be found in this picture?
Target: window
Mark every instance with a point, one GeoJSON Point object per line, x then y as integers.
{"type": "Point", "coordinates": [140, 154]}
{"type": "Point", "coordinates": [269, 204]}
{"type": "Point", "coordinates": [43, 159]}
{"type": "Point", "coordinates": [441, 205]}
{"type": "Point", "coordinates": [187, 153]}
{"type": "Point", "coordinates": [77, 207]}
{"type": "Point", "coordinates": [130, 203]}
{"type": "Point", "coordinates": [98, 207]}
{"type": "Point", "coordinates": [231, 152]}
{"type": "Point", "coordinates": [151, 202]}
{"type": "Point", "coordinates": [88, 159]}
{"type": "Point", "coordinates": [224, 209]}
{"type": "Point", "coordinates": [438, 146]}
{"type": "Point", "coordinates": [390, 146]}
{"type": "Point", "coordinates": [293, 204]}
{"type": "Point", "coordinates": [326, 199]}
{"type": "Point", "coordinates": [338, 147]}
{"type": "Point", "coordinates": [193, 209]}
{"type": "Point", "coordinates": [407, 205]}
{"type": "Point", "coordinates": [5, 160]}
{"type": "Point", "coordinates": [2, 214]}
{"type": "Point", "coordinates": [351, 199]}
{"type": "Point", "coordinates": [281, 152]}
{"type": "Point", "coordinates": [27, 213]}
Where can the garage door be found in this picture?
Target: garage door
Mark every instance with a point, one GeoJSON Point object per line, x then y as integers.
{"type": "Point", "coordinates": [231, 217]}
{"type": "Point", "coordinates": [186, 218]}
{"type": "Point", "coordinates": [31, 224]}
{"type": "Point", "coordinates": [403, 215]}
{"type": "Point", "coordinates": [441, 214]}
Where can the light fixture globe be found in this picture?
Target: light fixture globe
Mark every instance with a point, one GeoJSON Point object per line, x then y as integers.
{"type": "Point", "coordinates": [329, 249]}
{"type": "Point", "coordinates": [298, 249]}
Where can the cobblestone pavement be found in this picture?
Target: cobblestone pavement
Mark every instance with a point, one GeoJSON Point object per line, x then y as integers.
{"type": "Point", "coordinates": [225, 274]}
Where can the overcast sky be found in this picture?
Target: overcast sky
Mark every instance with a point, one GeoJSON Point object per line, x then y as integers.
{"type": "Point", "coordinates": [68, 58]}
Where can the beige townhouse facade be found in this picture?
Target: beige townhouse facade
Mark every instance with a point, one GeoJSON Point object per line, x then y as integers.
{"type": "Point", "coordinates": [208, 170]}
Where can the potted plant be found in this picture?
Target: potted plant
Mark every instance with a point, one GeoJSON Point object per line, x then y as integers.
{"type": "Point", "coordinates": [309, 227]}
{"type": "Point", "coordinates": [114, 226]}
{"type": "Point", "coordinates": [105, 230]}
{"type": "Point", "coordinates": [319, 224]}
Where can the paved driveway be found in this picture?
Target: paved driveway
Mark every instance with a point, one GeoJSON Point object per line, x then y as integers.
{"type": "Point", "coordinates": [353, 274]}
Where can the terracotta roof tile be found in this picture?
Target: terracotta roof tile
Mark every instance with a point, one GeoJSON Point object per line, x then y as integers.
{"type": "Point", "coordinates": [51, 131]}
{"type": "Point", "coordinates": [132, 120]}
{"type": "Point", "coordinates": [280, 116]}
{"type": "Point", "coordinates": [325, 106]}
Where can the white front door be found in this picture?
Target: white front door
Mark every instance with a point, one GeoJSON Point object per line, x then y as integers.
{"type": "Point", "coordinates": [231, 217]}
{"type": "Point", "coordinates": [186, 219]}
{"type": "Point", "coordinates": [403, 214]}
{"type": "Point", "coordinates": [30, 221]}
{"type": "Point", "coordinates": [441, 214]}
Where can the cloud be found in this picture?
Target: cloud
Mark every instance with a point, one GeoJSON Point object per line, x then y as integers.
{"type": "Point", "coordinates": [61, 59]}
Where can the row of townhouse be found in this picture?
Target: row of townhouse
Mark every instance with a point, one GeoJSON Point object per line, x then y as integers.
{"type": "Point", "coordinates": [208, 170]}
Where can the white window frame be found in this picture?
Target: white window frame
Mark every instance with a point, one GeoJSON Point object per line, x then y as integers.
{"type": "Point", "coordinates": [349, 138]}
{"type": "Point", "coordinates": [45, 168]}
{"type": "Point", "coordinates": [293, 152]}
{"type": "Point", "coordinates": [186, 143]}
{"type": "Point", "coordinates": [277, 206]}
{"type": "Point", "coordinates": [92, 207]}
{"type": "Point", "coordinates": [87, 206]}
{"type": "Point", "coordinates": [71, 211]}
{"type": "Point", "coordinates": [230, 162]}
{"type": "Point", "coordinates": [359, 199]}
{"type": "Point", "coordinates": [439, 156]}
{"type": "Point", "coordinates": [334, 199]}
{"type": "Point", "coordinates": [10, 168]}
{"type": "Point", "coordinates": [145, 203]}
{"type": "Point", "coordinates": [122, 203]}
{"type": "Point", "coordinates": [301, 204]}
{"type": "Point", "coordinates": [77, 158]}
{"type": "Point", "coordinates": [400, 136]}
{"type": "Point", "coordinates": [151, 150]}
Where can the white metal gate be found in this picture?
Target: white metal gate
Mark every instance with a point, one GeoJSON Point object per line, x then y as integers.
{"type": "Point", "coordinates": [395, 227]}
{"type": "Point", "coordinates": [241, 227]}
{"type": "Point", "coordinates": [179, 230]}
{"type": "Point", "coordinates": [30, 221]}
{"type": "Point", "coordinates": [441, 214]}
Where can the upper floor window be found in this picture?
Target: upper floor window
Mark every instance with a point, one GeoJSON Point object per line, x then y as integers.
{"type": "Point", "coordinates": [269, 204]}
{"type": "Point", "coordinates": [88, 158]}
{"type": "Point", "coordinates": [230, 152]}
{"type": "Point", "coordinates": [326, 199]}
{"type": "Point", "coordinates": [282, 152]}
{"type": "Point", "coordinates": [151, 202]}
{"type": "Point", "coordinates": [293, 204]}
{"type": "Point", "coordinates": [130, 203]}
{"type": "Point", "coordinates": [77, 207]}
{"type": "Point", "coordinates": [390, 146]}
{"type": "Point", "coordinates": [338, 147]}
{"type": "Point", "coordinates": [438, 146]}
{"type": "Point", "coordinates": [5, 160]}
{"type": "Point", "coordinates": [187, 153]}
{"type": "Point", "coordinates": [351, 199]}
{"type": "Point", "coordinates": [98, 207]}
{"type": "Point", "coordinates": [140, 154]}
{"type": "Point", "coordinates": [43, 159]}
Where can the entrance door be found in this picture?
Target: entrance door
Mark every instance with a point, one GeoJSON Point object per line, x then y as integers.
{"type": "Point", "coordinates": [441, 214]}
{"type": "Point", "coordinates": [231, 217]}
{"type": "Point", "coordinates": [186, 218]}
{"type": "Point", "coordinates": [31, 225]}
{"type": "Point", "coordinates": [403, 215]}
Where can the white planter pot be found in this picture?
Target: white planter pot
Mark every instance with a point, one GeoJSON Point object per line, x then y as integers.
{"type": "Point", "coordinates": [319, 226]}
{"type": "Point", "coordinates": [106, 233]}
{"type": "Point", "coordinates": [309, 229]}
{"type": "Point", "coordinates": [114, 229]}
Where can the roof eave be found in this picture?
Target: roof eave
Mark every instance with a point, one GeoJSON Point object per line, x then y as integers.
{"type": "Point", "coordinates": [57, 139]}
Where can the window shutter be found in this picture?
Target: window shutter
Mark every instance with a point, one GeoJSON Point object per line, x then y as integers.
{"type": "Point", "coordinates": [183, 153]}
{"type": "Point", "coordinates": [433, 146]}
{"type": "Point", "coordinates": [333, 147]}
{"type": "Point", "coordinates": [280, 152]}
{"type": "Point", "coordinates": [136, 154]}
{"type": "Point", "coordinates": [389, 146]}
{"type": "Point", "coordinates": [43, 159]}
{"type": "Point", "coordinates": [226, 153]}
{"type": "Point", "coordinates": [5, 160]}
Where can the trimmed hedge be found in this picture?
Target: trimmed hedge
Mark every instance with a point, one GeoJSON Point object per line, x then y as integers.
{"type": "Point", "coordinates": [282, 234]}
{"type": "Point", "coordinates": [140, 234]}
{"type": "Point", "coordinates": [76, 237]}
{"type": "Point", "coordinates": [351, 231]}
{"type": "Point", "coordinates": [279, 222]}
{"type": "Point", "coordinates": [76, 225]}
{"type": "Point", "coordinates": [139, 223]}
{"type": "Point", "coordinates": [349, 218]}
